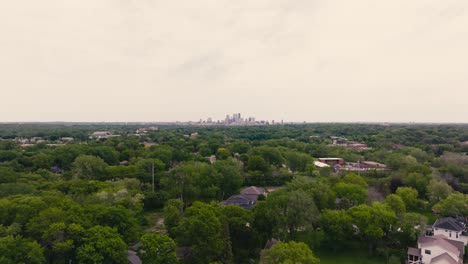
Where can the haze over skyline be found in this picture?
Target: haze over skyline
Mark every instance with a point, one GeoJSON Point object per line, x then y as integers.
{"type": "Point", "coordinates": [291, 60]}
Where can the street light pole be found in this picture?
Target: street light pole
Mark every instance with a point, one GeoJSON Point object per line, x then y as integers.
{"type": "Point", "coordinates": [152, 173]}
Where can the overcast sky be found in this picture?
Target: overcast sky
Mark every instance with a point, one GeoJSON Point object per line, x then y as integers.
{"type": "Point", "coordinates": [297, 60]}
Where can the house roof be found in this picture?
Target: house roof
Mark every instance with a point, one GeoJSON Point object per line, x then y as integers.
{"type": "Point", "coordinates": [133, 257]}
{"type": "Point", "coordinates": [237, 199]}
{"type": "Point", "coordinates": [271, 242]}
{"type": "Point", "coordinates": [414, 251]}
{"type": "Point", "coordinates": [444, 259]}
{"type": "Point", "coordinates": [102, 133]}
{"type": "Point", "coordinates": [330, 159]}
{"type": "Point", "coordinates": [450, 223]}
{"type": "Point", "coordinates": [456, 247]}
{"type": "Point", "coordinates": [241, 200]}
{"type": "Point", "coordinates": [321, 164]}
{"type": "Point", "coordinates": [373, 163]}
{"type": "Point", "coordinates": [252, 190]}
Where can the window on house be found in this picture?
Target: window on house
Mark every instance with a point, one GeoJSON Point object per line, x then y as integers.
{"type": "Point", "coordinates": [427, 251]}
{"type": "Point", "coordinates": [457, 235]}
{"type": "Point", "coordinates": [450, 234]}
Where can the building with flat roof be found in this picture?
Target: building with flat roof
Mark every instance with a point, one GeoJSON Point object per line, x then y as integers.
{"type": "Point", "coordinates": [332, 161]}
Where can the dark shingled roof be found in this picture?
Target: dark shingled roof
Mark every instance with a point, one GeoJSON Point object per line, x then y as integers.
{"type": "Point", "coordinates": [450, 223]}
{"type": "Point", "coordinates": [241, 200]}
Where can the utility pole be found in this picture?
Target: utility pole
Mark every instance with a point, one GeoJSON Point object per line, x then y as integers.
{"type": "Point", "coordinates": [152, 173]}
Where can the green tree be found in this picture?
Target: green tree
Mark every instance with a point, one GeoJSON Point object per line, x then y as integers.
{"type": "Point", "coordinates": [373, 222]}
{"type": "Point", "coordinates": [240, 147]}
{"type": "Point", "coordinates": [223, 153]}
{"type": "Point", "coordinates": [42, 161]}
{"type": "Point", "coordinates": [355, 179]}
{"type": "Point", "coordinates": [438, 191]}
{"type": "Point", "coordinates": [289, 253]}
{"type": "Point", "coordinates": [7, 175]}
{"type": "Point", "coordinates": [89, 167]}
{"type": "Point", "coordinates": [396, 203]}
{"type": "Point", "coordinates": [350, 194]}
{"type": "Point", "coordinates": [408, 228]}
{"type": "Point", "coordinates": [322, 193]}
{"type": "Point", "coordinates": [172, 215]}
{"type": "Point", "coordinates": [157, 249]}
{"type": "Point", "coordinates": [202, 230]}
{"type": "Point", "coordinates": [102, 244]}
{"type": "Point", "coordinates": [337, 225]}
{"type": "Point", "coordinates": [17, 250]}
{"type": "Point", "coordinates": [290, 211]}
{"type": "Point", "coordinates": [297, 161]}
{"type": "Point", "coordinates": [417, 180]}
{"type": "Point", "coordinates": [454, 205]}
{"type": "Point", "coordinates": [257, 163]}
{"type": "Point", "coordinates": [120, 218]}
{"type": "Point", "coordinates": [37, 225]}
{"type": "Point", "coordinates": [192, 181]}
{"type": "Point", "coordinates": [230, 171]}
{"type": "Point", "coordinates": [244, 238]}
{"type": "Point", "coordinates": [408, 195]}
{"type": "Point", "coordinates": [106, 153]}
{"type": "Point", "coordinates": [271, 155]}
{"type": "Point", "coordinates": [61, 240]}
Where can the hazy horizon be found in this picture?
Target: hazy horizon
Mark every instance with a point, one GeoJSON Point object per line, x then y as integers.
{"type": "Point", "coordinates": [157, 61]}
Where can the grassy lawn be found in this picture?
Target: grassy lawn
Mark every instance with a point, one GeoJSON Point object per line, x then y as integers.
{"type": "Point", "coordinates": [347, 257]}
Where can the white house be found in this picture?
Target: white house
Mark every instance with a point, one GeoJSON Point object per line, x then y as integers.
{"type": "Point", "coordinates": [444, 243]}
{"type": "Point", "coordinates": [451, 228]}
{"type": "Point", "coordinates": [436, 250]}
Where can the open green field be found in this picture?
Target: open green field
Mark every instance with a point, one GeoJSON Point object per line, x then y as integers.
{"type": "Point", "coordinates": [347, 257]}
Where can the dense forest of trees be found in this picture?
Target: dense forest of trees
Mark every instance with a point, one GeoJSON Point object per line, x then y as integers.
{"type": "Point", "coordinates": [90, 201]}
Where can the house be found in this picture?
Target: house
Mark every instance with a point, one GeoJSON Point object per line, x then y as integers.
{"type": "Point", "coordinates": [253, 192]}
{"type": "Point", "coordinates": [145, 130]}
{"type": "Point", "coordinates": [436, 250]}
{"type": "Point", "coordinates": [320, 165]}
{"type": "Point", "coordinates": [101, 134]}
{"type": "Point", "coordinates": [67, 139]}
{"type": "Point", "coordinates": [451, 228]}
{"type": "Point", "coordinates": [358, 146]}
{"type": "Point", "coordinates": [247, 198]}
{"type": "Point", "coordinates": [240, 200]}
{"type": "Point", "coordinates": [332, 161]}
{"type": "Point", "coordinates": [339, 140]}
{"type": "Point", "coordinates": [269, 244]}
{"type": "Point", "coordinates": [444, 242]}
{"type": "Point", "coordinates": [56, 170]}
{"type": "Point", "coordinates": [212, 159]}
